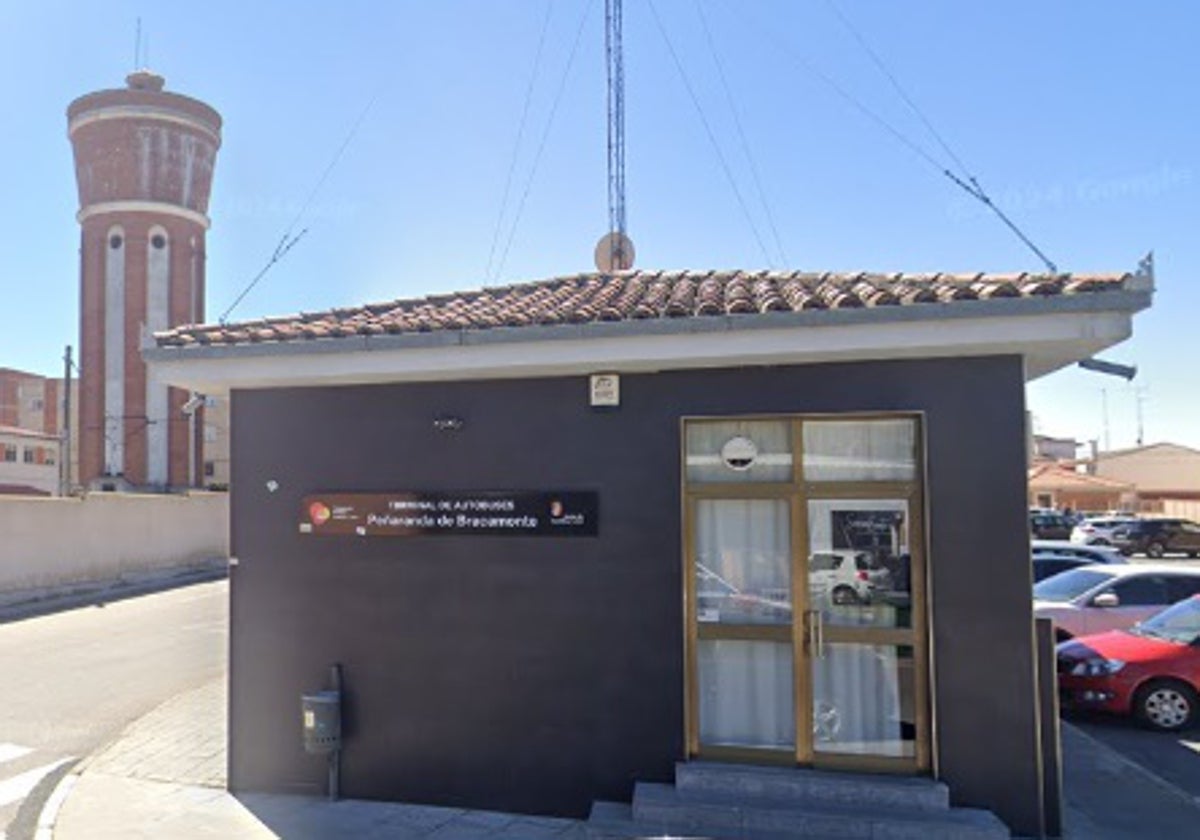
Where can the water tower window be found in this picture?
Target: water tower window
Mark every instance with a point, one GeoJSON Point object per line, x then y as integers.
{"type": "Point", "coordinates": [115, 241]}
{"type": "Point", "coordinates": [158, 241]}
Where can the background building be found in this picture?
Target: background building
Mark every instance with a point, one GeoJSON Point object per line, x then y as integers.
{"type": "Point", "coordinates": [29, 462]}
{"type": "Point", "coordinates": [1166, 475]}
{"type": "Point", "coordinates": [144, 163]}
{"type": "Point", "coordinates": [34, 409]}
{"type": "Point", "coordinates": [1046, 448]}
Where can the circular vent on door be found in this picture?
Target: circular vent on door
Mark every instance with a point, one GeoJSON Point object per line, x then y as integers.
{"type": "Point", "coordinates": [739, 453]}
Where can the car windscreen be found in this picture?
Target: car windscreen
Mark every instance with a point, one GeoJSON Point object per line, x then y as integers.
{"type": "Point", "coordinates": [1068, 585]}
{"type": "Point", "coordinates": [1179, 624]}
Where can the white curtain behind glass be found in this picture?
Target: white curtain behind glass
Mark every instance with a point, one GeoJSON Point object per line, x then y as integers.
{"type": "Point", "coordinates": [746, 694]}
{"type": "Point", "coordinates": [856, 701]}
{"type": "Point", "coordinates": [771, 437]}
{"type": "Point", "coordinates": [746, 542]}
{"type": "Point", "coordinates": [859, 450]}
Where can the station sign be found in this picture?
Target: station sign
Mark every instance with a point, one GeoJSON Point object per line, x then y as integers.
{"type": "Point", "coordinates": [572, 513]}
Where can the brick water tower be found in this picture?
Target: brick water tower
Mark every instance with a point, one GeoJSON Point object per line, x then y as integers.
{"type": "Point", "coordinates": [144, 166]}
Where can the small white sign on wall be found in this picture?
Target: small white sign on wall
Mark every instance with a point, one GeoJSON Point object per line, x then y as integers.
{"type": "Point", "coordinates": [605, 390]}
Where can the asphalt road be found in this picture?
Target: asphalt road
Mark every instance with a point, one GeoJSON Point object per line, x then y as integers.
{"type": "Point", "coordinates": [1174, 757]}
{"type": "Point", "coordinates": [73, 680]}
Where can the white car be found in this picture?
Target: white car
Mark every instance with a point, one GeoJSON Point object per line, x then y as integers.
{"type": "Point", "coordinates": [846, 577]}
{"type": "Point", "coordinates": [1112, 596]}
{"type": "Point", "coordinates": [1099, 530]}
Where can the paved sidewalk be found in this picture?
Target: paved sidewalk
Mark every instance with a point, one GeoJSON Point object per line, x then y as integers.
{"type": "Point", "coordinates": [165, 778]}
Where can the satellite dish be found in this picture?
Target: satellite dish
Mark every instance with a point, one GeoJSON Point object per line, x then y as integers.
{"type": "Point", "coordinates": [614, 252]}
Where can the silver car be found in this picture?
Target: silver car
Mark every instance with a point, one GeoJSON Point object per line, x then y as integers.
{"type": "Point", "coordinates": [1111, 596]}
{"type": "Point", "coordinates": [1099, 530]}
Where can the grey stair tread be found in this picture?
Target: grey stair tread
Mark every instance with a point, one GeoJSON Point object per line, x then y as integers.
{"type": "Point", "coordinates": [629, 830]}
{"type": "Point", "coordinates": [603, 810]}
{"type": "Point", "coordinates": [802, 784]}
{"type": "Point", "coordinates": [660, 805]}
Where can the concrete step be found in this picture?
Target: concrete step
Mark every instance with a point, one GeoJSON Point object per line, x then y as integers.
{"type": "Point", "coordinates": [664, 808]}
{"type": "Point", "coordinates": [614, 821]}
{"type": "Point", "coordinates": [610, 811]}
{"type": "Point", "coordinates": [811, 787]}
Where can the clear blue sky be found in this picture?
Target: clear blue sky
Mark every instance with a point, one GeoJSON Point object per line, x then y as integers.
{"type": "Point", "coordinates": [1081, 119]}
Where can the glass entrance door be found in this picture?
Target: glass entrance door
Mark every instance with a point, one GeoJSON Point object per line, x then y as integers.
{"type": "Point", "coordinates": [805, 592]}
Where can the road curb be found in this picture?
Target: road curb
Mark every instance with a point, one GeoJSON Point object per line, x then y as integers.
{"type": "Point", "coordinates": [73, 597]}
{"type": "Point", "coordinates": [49, 813]}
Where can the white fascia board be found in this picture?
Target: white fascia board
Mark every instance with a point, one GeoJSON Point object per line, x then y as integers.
{"type": "Point", "coordinates": [1048, 341]}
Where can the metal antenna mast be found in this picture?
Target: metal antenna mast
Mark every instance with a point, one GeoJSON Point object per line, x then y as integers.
{"type": "Point", "coordinates": [616, 116]}
{"type": "Point", "coordinates": [615, 251]}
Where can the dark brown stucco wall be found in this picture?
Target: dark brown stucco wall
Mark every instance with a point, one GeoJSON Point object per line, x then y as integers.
{"type": "Point", "coordinates": [538, 674]}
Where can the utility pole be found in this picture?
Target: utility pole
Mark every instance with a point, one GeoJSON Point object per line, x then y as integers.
{"type": "Point", "coordinates": [64, 469]}
{"type": "Point", "coordinates": [1104, 415]}
{"type": "Point", "coordinates": [1139, 397]}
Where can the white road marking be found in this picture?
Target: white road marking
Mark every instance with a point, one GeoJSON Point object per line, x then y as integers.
{"type": "Point", "coordinates": [10, 751]}
{"type": "Point", "coordinates": [18, 787]}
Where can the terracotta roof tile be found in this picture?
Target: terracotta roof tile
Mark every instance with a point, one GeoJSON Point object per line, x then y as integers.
{"type": "Point", "coordinates": [642, 295]}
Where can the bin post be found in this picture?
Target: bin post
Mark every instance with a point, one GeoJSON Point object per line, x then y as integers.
{"type": "Point", "coordinates": [321, 723]}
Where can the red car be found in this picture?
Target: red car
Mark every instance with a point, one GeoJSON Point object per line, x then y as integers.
{"type": "Point", "coordinates": [1151, 670]}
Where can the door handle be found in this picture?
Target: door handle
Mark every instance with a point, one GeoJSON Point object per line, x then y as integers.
{"type": "Point", "coordinates": [816, 633]}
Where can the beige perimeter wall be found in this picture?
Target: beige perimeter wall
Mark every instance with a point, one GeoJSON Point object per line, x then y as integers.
{"type": "Point", "coordinates": [1183, 508]}
{"type": "Point", "coordinates": [59, 543]}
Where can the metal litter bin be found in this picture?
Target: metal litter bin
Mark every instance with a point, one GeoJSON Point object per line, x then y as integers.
{"type": "Point", "coordinates": [322, 721]}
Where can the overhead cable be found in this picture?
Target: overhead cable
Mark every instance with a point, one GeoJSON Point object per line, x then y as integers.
{"type": "Point", "coordinates": [708, 131]}
{"type": "Point", "coordinates": [968, 183]}
{"type": "Point", "coordinates": [545, 134]}
{"type": "Point", "coordinates": [287, 241]}
{"type": "Point", "coordinates": [762, 195]}
{"type": "Point", "coordinates": [512, 166]}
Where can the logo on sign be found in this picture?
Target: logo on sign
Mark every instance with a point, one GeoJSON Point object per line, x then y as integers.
{"type": "Point", "coordinates": [319, 513]}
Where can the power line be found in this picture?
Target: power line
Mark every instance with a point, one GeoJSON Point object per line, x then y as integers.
{"type": "Point", "coordinates": [512, 166]}
{"type": "Point", "coordinates": [545, 135]}
{"type": "Point", "coordinates": [287, 241]}
{"type": "Point", "coordinates": [968, 184]}
{"type": "Point", "coordinates": [762, 195]}
{"type": "Point", "coordinates": [903, 94]}
{"type": "Point", "coordinates": [708, 130]}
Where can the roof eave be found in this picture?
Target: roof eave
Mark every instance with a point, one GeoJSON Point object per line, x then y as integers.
{"type": "Point", "coordinates": [1051, 332]}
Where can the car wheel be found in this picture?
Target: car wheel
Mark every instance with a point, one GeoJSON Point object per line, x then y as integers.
{"type": "Point", "coordinates": [845, 596]}
{"type": "Point", "coordinates": [1155, 550]}
{"type": "Point", "coordinates": [1165, 705]}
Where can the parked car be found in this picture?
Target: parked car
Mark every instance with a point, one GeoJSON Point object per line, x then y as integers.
{"type": "Point", "coordinates": [1065, 548]}
{"type": "Point", "coordinates": [1157, 537]}
{"type": "Point", "coordinates": [1099, 530]}
{"type": "Point", "coordinates": [1112, 596]}
{"type": "Point", "coordinates": [1151, 670]}
{"type": "Point", "coordinates": [1048, 565]}
{"type": "Point", "coordinates": [1049, 525]}
{"type": "Point", "coordinates": [847, 577]}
